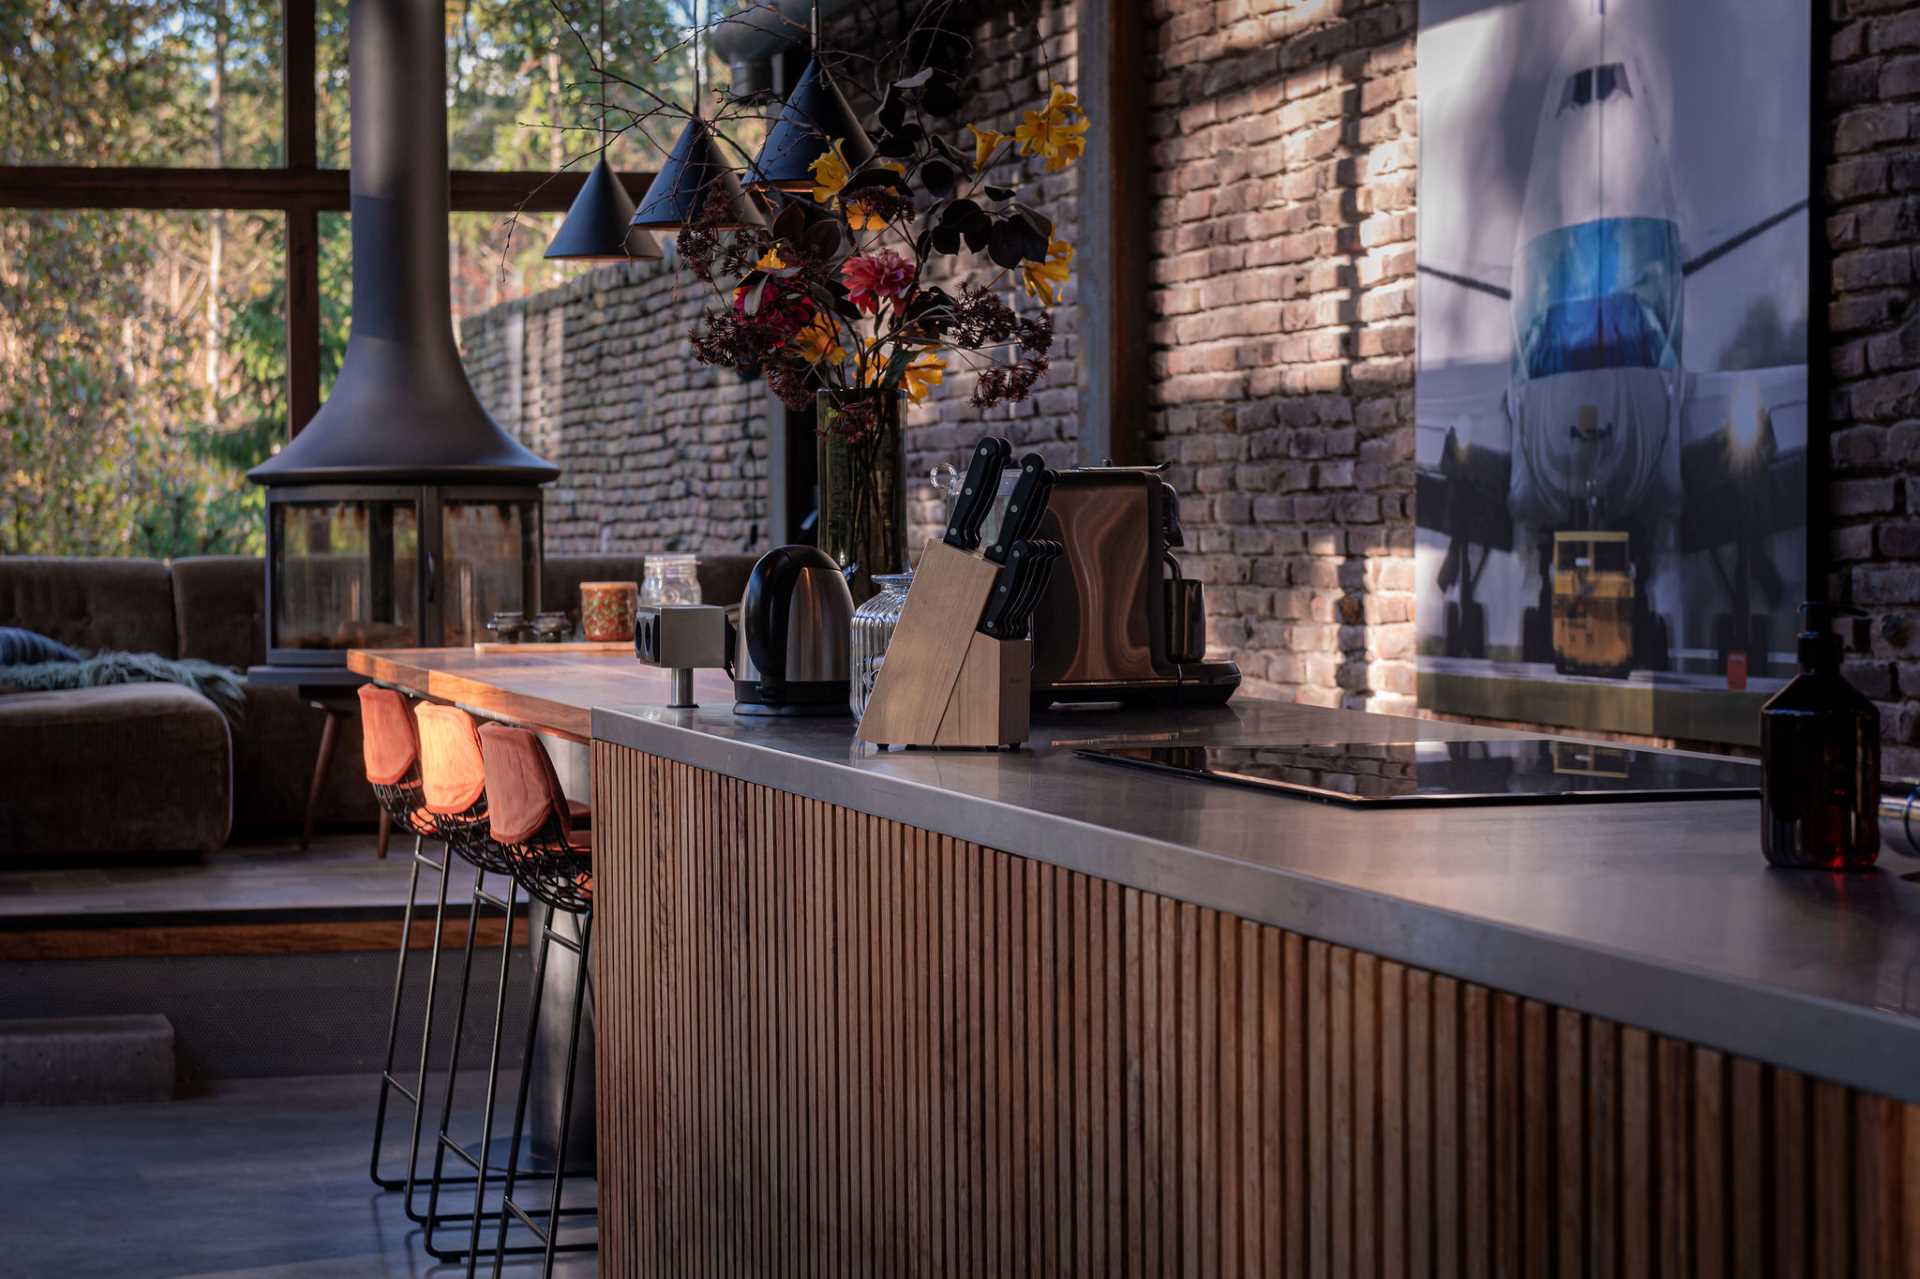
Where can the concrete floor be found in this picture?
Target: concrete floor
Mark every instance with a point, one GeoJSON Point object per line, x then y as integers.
{"type": "Point", "coordinates": [257, 1177]}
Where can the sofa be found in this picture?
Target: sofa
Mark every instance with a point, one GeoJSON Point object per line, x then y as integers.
{"type": "Point", "coordinates": [141, 768]}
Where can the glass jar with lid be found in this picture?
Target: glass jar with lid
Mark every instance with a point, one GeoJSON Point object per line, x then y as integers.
{"type": "Point", "coordinates": [670, 579]}
{"type": "Point", "coordinates": [873, 625]}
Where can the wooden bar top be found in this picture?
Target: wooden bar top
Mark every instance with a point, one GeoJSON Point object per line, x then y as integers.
{"type": "Point", "coordinates": [553, 692]}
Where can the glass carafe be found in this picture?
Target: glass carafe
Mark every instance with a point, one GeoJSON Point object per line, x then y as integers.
{"type": "Point", "coordinates": [873, 624]}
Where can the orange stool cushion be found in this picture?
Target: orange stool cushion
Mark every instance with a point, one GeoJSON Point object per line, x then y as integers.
{"type": "Point", "coordinates": [453, 774]}
{"type": "Point", "coordinates": [389, 743]}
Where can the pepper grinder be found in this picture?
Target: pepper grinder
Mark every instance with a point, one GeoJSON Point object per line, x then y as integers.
{"type": "Point", "coordinates": [1820, 759]}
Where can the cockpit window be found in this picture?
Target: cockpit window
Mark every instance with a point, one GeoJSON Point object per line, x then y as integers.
{"type": "Point", "coordinates": [1594, 84]}
{"type": "Point", "coordinates": [1605, 294]}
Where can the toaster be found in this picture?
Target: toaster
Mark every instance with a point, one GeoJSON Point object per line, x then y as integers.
{"type": "Point", "coordinates": [1121, 623]}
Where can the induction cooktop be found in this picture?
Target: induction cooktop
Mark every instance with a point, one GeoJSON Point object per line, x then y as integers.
{"type": "Point", "coordinates": [1526, 770]}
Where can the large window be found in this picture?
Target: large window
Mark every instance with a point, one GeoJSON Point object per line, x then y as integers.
{"type": "Point", "coordinates": [175, 253]}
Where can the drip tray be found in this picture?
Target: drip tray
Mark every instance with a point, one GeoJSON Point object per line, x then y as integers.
{"type": "Point", "coordinates": [1525, 770]}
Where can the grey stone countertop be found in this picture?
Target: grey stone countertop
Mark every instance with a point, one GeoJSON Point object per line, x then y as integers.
{"type": "Point", "coordinates": [1658, 915]}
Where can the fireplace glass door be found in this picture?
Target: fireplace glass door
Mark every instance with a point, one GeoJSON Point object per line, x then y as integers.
{"type": "Point", "coordinates": [344, 572]}
{"type": "Point", "coordinates": [488, 562]}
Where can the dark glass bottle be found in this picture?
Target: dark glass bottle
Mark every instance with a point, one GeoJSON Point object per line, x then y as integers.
{"type": "Point", "coordinates": [1820, 760]}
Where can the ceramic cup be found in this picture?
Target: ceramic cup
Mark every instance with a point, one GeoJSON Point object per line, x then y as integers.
{"type": "Point", "coordinates": [607, 610]}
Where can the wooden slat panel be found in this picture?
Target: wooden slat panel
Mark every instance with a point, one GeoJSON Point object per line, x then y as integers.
{"type": "Point", "coordinates": [834, 1045]}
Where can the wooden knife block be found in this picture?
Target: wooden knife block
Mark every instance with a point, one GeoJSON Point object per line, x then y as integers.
{"type": "Point", "coordinates": [944, 683]}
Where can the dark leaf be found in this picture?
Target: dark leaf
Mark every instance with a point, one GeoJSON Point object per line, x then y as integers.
{"type": "Point", "coordinates": [867, 179]}
{"type": "Point", "coordinates": [959, 213]}
{"type": "Point", "coordinates": [938, 177]}
{"type": "Point", "coordinates": [893, 109]}
{"type": "Point", "coordinates": [942, 96]}
{"type": "Point", "coordinates": [1005, 246]}
{"type": "Point", "coordinates": [1042, 225]}
{"type": "Point", "coordinates": [900, 143]}
{"type": "Point", "coordinates": [961, 160]}
{"type": "Point", "coordinates": [792, 222]}
{"type": "Point", "coordinates": [824, 240]}
{"type": "Point", "coordinates": [945, 239]}
{"type": "Point", "coordinates": [753, 287]}
{"type": "Point", "coordinates": [998, 193]}
{"type": "Point", "coordinates": [918, 80]}
{"type": "Point", "coordinates": [979, 233]}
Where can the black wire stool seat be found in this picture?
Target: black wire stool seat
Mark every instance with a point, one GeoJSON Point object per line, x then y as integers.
{"type": "Point", "coordinates": [554, 869]}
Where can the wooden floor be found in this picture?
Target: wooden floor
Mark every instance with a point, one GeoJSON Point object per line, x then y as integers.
{"type": "Point", "coordinates": [260, 1178]}
{"type": "Point", "coordinates": [265, 896]}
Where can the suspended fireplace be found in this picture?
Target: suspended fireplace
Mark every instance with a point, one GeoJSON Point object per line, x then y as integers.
{"type": "Point", "coordinates": [402, 515]}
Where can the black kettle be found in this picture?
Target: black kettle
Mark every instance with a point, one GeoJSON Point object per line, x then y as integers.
{"type": "Point", "coordinates": [790, 656]}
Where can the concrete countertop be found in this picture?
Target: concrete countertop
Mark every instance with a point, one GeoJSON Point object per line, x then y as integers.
{"type": "Point", "coordinates": [1657, 915]}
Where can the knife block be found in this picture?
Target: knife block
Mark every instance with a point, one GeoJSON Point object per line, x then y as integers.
{"type": "Point", "coordinates": [944, 684]}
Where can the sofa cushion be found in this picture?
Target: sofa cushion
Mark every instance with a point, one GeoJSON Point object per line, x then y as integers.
{"type": "Point", "coordinates": [125, 768]}
{"type": "Point", "coordinates": [92, 604]}
{"type": "Point", "coordinates": [219, 609]}
{"type": "Point", "coordinates": [274, 752]}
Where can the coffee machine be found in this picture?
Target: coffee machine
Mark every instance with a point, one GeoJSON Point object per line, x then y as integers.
{"type": "Point", "coordinates": [1120, 622]}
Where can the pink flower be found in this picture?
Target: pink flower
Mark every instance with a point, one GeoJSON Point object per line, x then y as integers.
{"type": "Point", "coordinates": [873, 278]}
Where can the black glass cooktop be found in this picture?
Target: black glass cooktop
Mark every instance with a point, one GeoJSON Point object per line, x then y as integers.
{"type": "Point", "coordinates": [1527, 770]}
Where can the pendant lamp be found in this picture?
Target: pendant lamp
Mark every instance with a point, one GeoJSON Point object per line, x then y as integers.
{"type": "Point", "coordinates": [599, 224]}
{"type": "Point", "coordinates": [695, 173]}
{"type": "Point", "coordinates": [816, 115]}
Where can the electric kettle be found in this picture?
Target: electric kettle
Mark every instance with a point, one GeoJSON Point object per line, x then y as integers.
{"type": "Point", "coordinates": [790, 653]}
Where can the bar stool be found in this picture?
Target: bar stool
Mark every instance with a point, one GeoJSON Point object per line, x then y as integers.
{"type": "Point", "coordinates": [553, 861]}
{"type": "Point", "coordinates": [454, 773]}
{"type": "Point", "coordinates": [391, 750]}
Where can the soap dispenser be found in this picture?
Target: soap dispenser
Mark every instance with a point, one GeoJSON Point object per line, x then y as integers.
{"type": "Point", "coordinates": [1820, 759]}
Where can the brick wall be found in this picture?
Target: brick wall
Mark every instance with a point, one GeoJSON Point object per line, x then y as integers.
{"type": "Point", "coordinates": [1873, 186]}
{"type": "Point", "coordinates": [1284, 156]}
{"type": "Point", "coordinates": [656, 451]}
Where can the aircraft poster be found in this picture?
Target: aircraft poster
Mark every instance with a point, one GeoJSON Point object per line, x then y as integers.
{"type": "Point", "coordinates": [1612, 378]}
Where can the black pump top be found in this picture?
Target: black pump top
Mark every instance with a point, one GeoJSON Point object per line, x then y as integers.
{"type": "Point", "coordinates": [1819, 647]}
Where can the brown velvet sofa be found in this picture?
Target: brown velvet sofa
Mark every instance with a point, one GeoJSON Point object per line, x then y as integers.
{"type": "Point", "coordinates": [154, 767]}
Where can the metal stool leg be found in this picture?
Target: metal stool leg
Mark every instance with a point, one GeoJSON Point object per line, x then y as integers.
{"type": "Point", "coordinates": [519, 1112]}
{"type": "Point", "coordinates": [549, 1237]}
{"type": "Point", "coordinates": [387, 1082]}
{"type": "Point", "coordinates": [444, 1142]}
{"type": "Point", "coordinates": [426, 1031]}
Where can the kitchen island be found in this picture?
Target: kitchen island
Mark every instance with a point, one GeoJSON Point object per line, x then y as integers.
{"type": "Point", "coordinates": [907, 1012]}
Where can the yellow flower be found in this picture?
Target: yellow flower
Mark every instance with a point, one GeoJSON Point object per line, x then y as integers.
{"type": "Point", "coordinates": [819, 341]}
{"type": "Point", "coordinates": [925, 373]}
{"type": "Point", "coordinates": [830, 172]}
{"type": "Point", "coordinates": [770, 261]}
{"type": "Point", "coordinates": [1044, 279]}
{"type": "Point", "coordinates": [985, 143]}
{"type": "Point", "coordinates": [1057, 132]}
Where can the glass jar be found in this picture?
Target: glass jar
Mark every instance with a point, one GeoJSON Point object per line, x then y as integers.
{"type": "Point", "coordinates": [670, 579]}
{"type": "Point", "coordinates": [873, 624]}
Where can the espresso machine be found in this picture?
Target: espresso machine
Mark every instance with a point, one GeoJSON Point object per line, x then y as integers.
{"type": "Point", "coordinates": [1118, 621]}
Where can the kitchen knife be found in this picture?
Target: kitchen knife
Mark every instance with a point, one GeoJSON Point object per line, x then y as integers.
{"type": "Point", "coordinates": [1024, 506]}
{"type": "Point", "coordinates": [977, 492]}
{"type": "Point", "coordinates": [1042, 555]}
{"type": "Point", "coordinates": [1007, 589]}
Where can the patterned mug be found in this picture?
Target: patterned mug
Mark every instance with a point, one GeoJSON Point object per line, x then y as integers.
{"type": "Point", "coordinates": [607, 610]}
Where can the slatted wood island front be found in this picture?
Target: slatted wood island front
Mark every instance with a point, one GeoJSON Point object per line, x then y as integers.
{"type": "Point", "coordinates": [832, 1041]}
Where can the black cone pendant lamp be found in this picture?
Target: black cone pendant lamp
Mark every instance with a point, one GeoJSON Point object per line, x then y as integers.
{"type": "Point", "coordinates": [817, 115]}
{"type": "Point", "coordinates": [695, 174]}
{"type": "Point", "coordinates": [599, 224]}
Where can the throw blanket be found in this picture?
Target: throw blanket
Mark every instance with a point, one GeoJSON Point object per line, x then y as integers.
{"type": "Point", "coordinates": [220, 685]}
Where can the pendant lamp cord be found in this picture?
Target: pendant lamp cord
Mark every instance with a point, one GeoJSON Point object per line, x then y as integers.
{"type": "Point", "coordinates": [603, 78]}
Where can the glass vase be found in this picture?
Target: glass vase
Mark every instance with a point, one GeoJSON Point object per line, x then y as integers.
{"type": "Point", "coordinates": [863, 489]}
{"type": "Point", "coordinates": [873, 624]}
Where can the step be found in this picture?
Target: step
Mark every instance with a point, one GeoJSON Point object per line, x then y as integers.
{"type": "Point", "coordinates": [65, 1061]}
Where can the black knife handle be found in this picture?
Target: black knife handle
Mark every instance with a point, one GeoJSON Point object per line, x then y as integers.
{"type": "Point", "coordinates": [1005, 600]}
{"type": "Point", "coordinates": [977, 491]}
{"type": "Point", "coordinates": [1024, 506]}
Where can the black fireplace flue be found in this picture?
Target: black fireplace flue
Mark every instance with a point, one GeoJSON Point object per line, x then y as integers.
{"type": "Point", "coordinates": [402, 515]}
